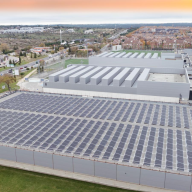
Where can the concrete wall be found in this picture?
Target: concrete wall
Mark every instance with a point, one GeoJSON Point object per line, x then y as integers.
{"type": "Point", "coordinates": [188, 51]}
{"type": "Point", "coordinates": [135, 62]}
{"type": "Point", "coordinates": [115, 172]}
{"type": "Point", "coordinates": [168, 55]}
{"type": "Point", "coordinates": [112, 95]}
{"type": "Point", "coordinates": [164, 89]}
{"type": "Point", "coordinates": [91, 87]}
{"type": "Point", "coordinates": [160, 88]}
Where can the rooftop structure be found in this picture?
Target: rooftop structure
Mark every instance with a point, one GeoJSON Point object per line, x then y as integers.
{"type": "Point", "coordinates": [115, 54]}
{"type": "Point", "coordinates": [70, 30]}
{"type": "Point", "coordinates": [40, 49]}
{"type": "Point", "coordinates": [144, 143]}
{"type": "Point", "coordinates": [169, 61]}
{"type": "Point", "coordinates": [120, 55]}
{"type": "Point", "coordinates": [134, 55]}
{"type": "Point", "coordinates": [154, 56]}
{"type": "Point", "coordinates": [107, 54]}
{"type": "Point", "coordinates": [167, 78]}
{"type": "Point", "coordinates": [127, 55]}
{"type": "Point", "coordinates": [148, 56]}
{"type": "Point", "coordinates": [24, 30]}
{"type": "Point", "coordinates": [101, 54]}
{"type": "Point", "coordinates": [141, 55]}
{"type": "Point", "coordinates": [121, 80]}
{"type": "Point", "coordinates": [88, 31]}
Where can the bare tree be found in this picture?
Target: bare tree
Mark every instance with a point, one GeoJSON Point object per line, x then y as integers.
{"type": "Point", "coordinates": [7, 79]}
{"type": "Point", "coordinates": [4, 47]}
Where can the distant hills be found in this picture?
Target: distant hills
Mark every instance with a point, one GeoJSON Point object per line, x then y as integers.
{"type": "Point", "coordinates": [105, 25]}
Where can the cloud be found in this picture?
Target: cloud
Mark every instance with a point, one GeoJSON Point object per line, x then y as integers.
{"type": "Point", "coordinates": [18, 18]}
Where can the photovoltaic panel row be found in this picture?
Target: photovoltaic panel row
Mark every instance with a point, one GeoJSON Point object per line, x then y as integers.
{"type": "Point", "coordinates": [99, 139]}
{"type": "Point", "coordinates": [103, 109]}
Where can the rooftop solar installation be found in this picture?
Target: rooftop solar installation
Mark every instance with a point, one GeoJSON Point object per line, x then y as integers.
{"type": "Point", "coordinates": [155, 135]}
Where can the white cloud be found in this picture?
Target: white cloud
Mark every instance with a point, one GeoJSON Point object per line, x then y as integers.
{"type": "Point", "coordinates": [18, 18]}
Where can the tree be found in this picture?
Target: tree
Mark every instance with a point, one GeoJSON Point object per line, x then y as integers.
{"type": "Point", "coordinates": [19, 60]}
{"type": "Point", "coordinates": [24, 54]}
{"type": "Point", "coordinates": [61, 48]}
{"type": "Point", "coordinates": [42, 45]}
{"type": "Point", "coordinates": [13, 62]}
{"type": "Point", "coordinates": [41, 66]}
{"type": "Point", "coordinates": [20, 54]}
{"type": "Point", "coordinates": [4, 47]}
{"type": "Point", "coordinates": [22, 74]}
{"type": "Point", "coordinates": [69, 50]}
{"type": "Point", "coordinates": [35, 55]}
{"type": "Point", "coordinates": [10, 61]}
{"type": "Point", "coordinates": [7, 79]}
{"type": "Point", "coordinates": [31, 55]}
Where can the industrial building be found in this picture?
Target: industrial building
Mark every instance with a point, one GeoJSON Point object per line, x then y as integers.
{"type": "Point", "coordinates": [173, 83]}
{"type": "Point", "coordinates": [118, 121]}
{"type": "Point", "coordinates": [129, 144]}
{"type": "Point", "coordinates": [135, 59]}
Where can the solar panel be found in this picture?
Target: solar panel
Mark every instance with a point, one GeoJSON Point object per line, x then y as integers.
{"type": "Point", "coordinates": [115, 130]}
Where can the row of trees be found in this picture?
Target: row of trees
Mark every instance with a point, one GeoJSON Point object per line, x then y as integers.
{"type": "Point", "coordinates": [33, 55]}
{"type": "Point", "coordinates": [22, 54]}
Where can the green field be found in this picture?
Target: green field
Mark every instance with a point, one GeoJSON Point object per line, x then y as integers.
{"type": "Point", "coordinates": [76, 61]}
{"type": "Point", "coordinates": [14, 180]}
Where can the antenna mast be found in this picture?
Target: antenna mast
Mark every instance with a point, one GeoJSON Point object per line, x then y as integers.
{"type": "Point", "coordinates": [60, 36]}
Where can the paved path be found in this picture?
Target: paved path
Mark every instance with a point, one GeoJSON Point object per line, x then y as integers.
{"type": "Point", "coordinates": [23, 79]}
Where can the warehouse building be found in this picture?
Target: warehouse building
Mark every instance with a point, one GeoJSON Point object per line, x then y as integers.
{"type": "Point", "coordinates": [135, 59]}
{"type": "Point", "coordinates": [129, 144]}
{"type": "Point", "coordinates": [116, 121]}
{"type": "Point", "coordinates": [120, 81]}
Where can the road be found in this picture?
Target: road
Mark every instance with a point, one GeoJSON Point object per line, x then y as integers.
{"type": "Point", "coordinates": [29, 64]}
{"type": "Point", "coordinates": [117, 35]}
{"type": "Point", "coordinates": [105, 48]}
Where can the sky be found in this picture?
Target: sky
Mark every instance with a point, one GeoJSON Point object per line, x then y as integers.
{"type": "Point", "coordinates": [24, 12]}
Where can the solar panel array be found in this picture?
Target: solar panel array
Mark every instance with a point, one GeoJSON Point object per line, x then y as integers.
{"type": "Point", "coordinates": [134, 112]}
{"type": "Point", "coordinates": [99, 128]}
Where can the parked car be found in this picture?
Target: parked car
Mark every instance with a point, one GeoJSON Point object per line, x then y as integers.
{"type": "Point", "coordinates": [10, 71]}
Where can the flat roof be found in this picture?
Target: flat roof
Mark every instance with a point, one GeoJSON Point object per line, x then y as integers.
{"type": "Point", "coordinates": [173, 78]}
{"type": "Point", "coordinates": [145, 134]}
{"type": "Point", "coordinates": [62, 71]}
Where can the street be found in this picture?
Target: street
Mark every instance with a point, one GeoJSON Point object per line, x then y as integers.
{"type": "Point", "coordinates": [28, 64]}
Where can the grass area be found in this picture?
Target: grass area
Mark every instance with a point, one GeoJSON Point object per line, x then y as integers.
{"type": "Point", "coordinates": [14, 180]}
{"type": "Point", "coordinates": [76, 61]}
{"type": "Point", "coordinates": [13, 85]}
{"type": "Point", "coordinates": [3, 69]}
{"type": "Point", "coordinates": [28, 59]}
{"type": "Point", "coordinates": [59, 65]}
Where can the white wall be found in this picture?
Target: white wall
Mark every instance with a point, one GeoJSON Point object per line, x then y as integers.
{"type": "Point", "coordinates": [114, 172]}
{"type": "Point", "coordinates": [134, 62]}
